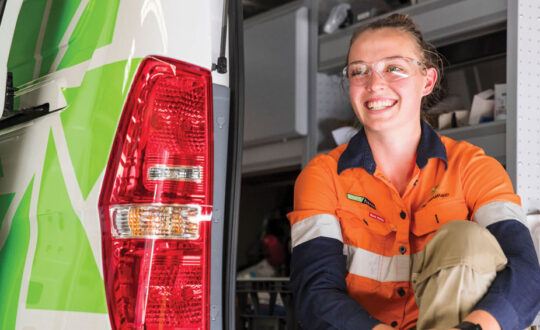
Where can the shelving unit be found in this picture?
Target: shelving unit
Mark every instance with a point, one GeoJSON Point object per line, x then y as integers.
{"type": "Point", "coordinates": [442, 22]}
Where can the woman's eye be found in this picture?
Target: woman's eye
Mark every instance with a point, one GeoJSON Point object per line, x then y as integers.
{"type": "Point", "coordinates": [394, 68]}
{"type": "Point", "coordinates": [358, 73]}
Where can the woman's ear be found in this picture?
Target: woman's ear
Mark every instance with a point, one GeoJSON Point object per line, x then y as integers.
{"type": "Point", "coordinates": [430, 80]}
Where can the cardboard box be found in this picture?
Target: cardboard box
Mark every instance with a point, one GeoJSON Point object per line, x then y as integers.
{"type": "Point", "coordinates": [482, 107]}
{"type": "Point", "coordinates": [458, 118]}
{"type": "Point", "coordinates": [462, 117]}
{"type": "Point", "coordinates": [445, 120]}
{"type": "Point", "coordinates": [500, 102]}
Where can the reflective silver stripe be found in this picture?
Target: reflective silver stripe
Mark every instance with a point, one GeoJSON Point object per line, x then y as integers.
{"type": "Point", "coordinates": [498, 211]}
{"type": "Point", "coordinates": [377, 267]}
{"type": "Point", "coordinates": [320, 225]}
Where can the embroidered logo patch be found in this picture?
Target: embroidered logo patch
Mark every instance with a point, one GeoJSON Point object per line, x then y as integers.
{"type": "Point", "coordinates": [378, 217]}
{"type": "Point", "coordinates": [362, 200]}
{"type": "Point", "coordinates": [436, 196]}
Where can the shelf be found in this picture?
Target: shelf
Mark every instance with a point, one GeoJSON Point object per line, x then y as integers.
{"type": "Point", "coordinates": [489, 136]}
{"type": "Point", "coordinates": [441, 21]}
{"type": "Point", "coordinates": [272, 156]}
{"type": "Point", "coordinates": [468, 132]}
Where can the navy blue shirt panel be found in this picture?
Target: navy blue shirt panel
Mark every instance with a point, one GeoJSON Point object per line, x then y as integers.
{"type": "Point", "coordinates": [358, 152]}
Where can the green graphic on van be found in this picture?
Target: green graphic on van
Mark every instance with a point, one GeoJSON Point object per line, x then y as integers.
{"type": "Point", "coordinates": [12, 259]}
{"type": "Point", "coordinates": [84, 41]}
{"type": "Point", "coordinates": [64, 275]}
{"type": "Point", "coordinates": [61, 14]}
{"type": "Point", "coordinates": [90, 122]}
{"type": "Point", "coordinates": [81, 43]}
{"type": "Point", "coordinates": [21, 57]}
{"type": "Point", "coordinates": [5, 202]}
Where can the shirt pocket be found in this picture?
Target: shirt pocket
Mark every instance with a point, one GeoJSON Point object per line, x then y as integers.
{"type": "Point", "coordinates": [431, 217]}
{"type": "Point", "coordinates": [363, 222]}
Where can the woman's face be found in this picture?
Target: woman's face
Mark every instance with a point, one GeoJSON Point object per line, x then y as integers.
{"type": "Point", "coordinates": [382, 105]}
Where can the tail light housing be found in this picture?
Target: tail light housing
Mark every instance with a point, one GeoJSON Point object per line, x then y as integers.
{"type": "Point", "coordinates": [156, 200]}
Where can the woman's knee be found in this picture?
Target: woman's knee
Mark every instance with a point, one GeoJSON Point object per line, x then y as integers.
{"type": "Point", "coordinates": [466, 243]}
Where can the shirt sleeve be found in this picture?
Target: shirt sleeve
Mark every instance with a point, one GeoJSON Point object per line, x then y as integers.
{"type": "Point", "coordinates": [484, 180]}
{"type": "Point", "coordinates": [318, 265]}
{"type": "Point", "coordinates": [514, 296]}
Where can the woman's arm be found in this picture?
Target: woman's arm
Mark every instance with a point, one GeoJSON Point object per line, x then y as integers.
{"type": "Point", "coordinates": [320, 291]}
{"type": "Point", "coordinates": [318, 265]}
{"type": "Point", "coordinates": [514, 296]}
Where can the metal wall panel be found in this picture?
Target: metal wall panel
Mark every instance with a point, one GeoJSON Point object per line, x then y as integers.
{"type": "Point", "coordinates": [523, 125]}
{"type": "Point", "coordinates": [276, 75]}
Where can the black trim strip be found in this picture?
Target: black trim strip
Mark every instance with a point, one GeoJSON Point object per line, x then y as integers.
{"type": "Point", "coordinates": [234, 156]}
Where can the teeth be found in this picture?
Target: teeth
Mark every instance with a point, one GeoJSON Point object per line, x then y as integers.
{"type": "Point", "coordinates": [378, 105]}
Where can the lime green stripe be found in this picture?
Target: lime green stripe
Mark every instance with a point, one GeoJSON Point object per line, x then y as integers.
{"type": "Point", "coordinates": [65, 276]}
{"type": "Point", "coordinates": [355, 198]}
{"type": "Point", "coordinates": [12, 260]}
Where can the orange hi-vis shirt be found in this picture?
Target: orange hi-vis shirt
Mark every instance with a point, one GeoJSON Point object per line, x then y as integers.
{"type": "Point", "coordinates": [345, 197]}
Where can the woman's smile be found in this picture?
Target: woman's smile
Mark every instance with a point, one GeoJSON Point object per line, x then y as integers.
{"type": "Point", "coordinates": [378, 104]}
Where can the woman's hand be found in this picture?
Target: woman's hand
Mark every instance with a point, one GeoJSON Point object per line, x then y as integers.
{"type": "Point", "coordinates": [382, 326]}
{"type": "Point", "coordinates": [485, 319]}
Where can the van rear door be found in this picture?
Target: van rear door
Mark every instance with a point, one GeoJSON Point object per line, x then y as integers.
{"type": "Point", "coordinates": [81, 63]}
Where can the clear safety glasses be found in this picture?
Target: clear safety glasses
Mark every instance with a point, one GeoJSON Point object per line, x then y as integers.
{"type": "Point", "coordinates": [390, 69]}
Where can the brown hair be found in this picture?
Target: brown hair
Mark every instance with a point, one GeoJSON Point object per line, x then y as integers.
{"type": "Point", "coordinates": [431, 57]}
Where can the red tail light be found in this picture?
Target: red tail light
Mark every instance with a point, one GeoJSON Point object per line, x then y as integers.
{"type": "Point", "coordinates": [156, 201]}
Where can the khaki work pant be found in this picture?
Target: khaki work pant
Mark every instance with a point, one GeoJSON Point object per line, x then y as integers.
{"type": "Point", "coordinates": [453, 273]}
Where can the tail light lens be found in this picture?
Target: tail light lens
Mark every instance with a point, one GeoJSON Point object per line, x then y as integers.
{"type": "Point", "coordinates": [156, 201]}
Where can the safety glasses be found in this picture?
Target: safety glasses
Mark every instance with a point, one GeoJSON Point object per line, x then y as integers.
{"type": "Point", "coordinates": [389, 69]}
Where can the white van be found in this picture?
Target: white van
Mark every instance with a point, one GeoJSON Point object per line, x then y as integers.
{"type": "Point", "coordinates": [115, 156]}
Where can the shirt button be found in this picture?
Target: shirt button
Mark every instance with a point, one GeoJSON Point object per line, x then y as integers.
{"type": "Point", "coordinates": [401, 292]}
{"type": "Point", "coordinates": [403, 215]}
{"type": "Point", "coordinates": [393, 323]}
{"type": "Point", "coordinates": [402, 249]}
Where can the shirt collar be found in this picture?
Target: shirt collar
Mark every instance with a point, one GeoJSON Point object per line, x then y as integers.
{"type": "Point", "coordinates": [358, 152]}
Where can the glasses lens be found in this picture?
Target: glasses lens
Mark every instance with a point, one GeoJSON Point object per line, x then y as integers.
{"type": "Point", "coordinates": [357, 72]}
{"type": "Point", "coordinates": [396, 69]}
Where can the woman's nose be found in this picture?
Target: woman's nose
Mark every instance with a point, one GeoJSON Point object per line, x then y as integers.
{"type": "Point", "coordinates": [375, 80]}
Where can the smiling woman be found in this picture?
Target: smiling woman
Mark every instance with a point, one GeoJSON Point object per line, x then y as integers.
{"type": "Point", "coordinates": [405, 259]}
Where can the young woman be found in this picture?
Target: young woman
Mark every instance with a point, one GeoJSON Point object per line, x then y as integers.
{"type": "Point", "coordinates": [378, 234]}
